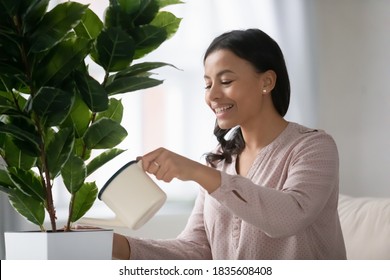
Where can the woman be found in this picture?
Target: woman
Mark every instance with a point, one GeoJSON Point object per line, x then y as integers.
{"type": "Point", "coordinates": [270, 191]}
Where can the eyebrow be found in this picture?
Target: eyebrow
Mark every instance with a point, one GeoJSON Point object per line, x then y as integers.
{"type": "Point", "coordinates": [221, 73]}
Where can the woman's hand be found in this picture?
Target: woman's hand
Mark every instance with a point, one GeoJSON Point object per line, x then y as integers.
{"type": "Point", "coordinates": [166, 166]}
{"type": "Point", "coordinates": [120, 247]}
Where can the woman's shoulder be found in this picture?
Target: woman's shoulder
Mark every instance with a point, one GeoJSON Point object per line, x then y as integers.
{"type": "Point", "coordinates": [306, 132]}
{"type": "Point", "coordinates": [303, 136]}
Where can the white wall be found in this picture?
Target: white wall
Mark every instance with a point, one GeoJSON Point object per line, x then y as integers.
{"type": "Point", "coordinates": [352, 45]}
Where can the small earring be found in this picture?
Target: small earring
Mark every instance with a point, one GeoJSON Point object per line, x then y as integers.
{"type": "Point", "coordinates": [264, 90]}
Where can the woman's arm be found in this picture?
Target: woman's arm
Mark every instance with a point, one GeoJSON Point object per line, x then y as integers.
{"type": "Point", "coordinates": [191, 244]}
{"type": "Point", "coordinates": [166, 165]}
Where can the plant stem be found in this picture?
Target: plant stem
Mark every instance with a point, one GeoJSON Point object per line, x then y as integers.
{"type": "Point", "coordinates": [49, 194]}
{"type": "Point", "coordinates": [50, 205]}
{"type": "Point", "coordinates": [71, 203]}
{"type": "Point", "coordinates": [45, 175]}
{"type": "Point", "coordinates": [106, 75]}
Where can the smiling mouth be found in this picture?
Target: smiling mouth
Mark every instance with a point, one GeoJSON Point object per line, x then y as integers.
{"type": "Point", "coordinates": [221, 110]}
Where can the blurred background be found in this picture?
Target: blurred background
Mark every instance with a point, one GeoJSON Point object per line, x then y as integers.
{"type": "Point", "coordinates": [337, 53]}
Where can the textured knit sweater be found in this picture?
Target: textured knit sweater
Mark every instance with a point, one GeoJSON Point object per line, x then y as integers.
{"type": "Point", "coordinates": [285, 208]}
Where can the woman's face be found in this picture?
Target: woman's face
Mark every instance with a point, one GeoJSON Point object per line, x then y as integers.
{"type": "Point", "coordinates": [234, 90]}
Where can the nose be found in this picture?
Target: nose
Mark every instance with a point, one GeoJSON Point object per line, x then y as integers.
{"type": "Point", "coordinates": [213, 93]}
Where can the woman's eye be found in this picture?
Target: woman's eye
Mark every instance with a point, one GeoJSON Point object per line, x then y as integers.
{"type": "Point", "coordinates": [226, 82]}
{"type": "Point", "coordinates": [207, 87]}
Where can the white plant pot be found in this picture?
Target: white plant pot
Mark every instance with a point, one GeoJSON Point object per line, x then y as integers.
{"type": "Point", "coordinates": [74, 245]}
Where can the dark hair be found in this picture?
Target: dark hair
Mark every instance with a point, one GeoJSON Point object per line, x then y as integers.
{"type": "Point", "coordinates": [259, 49]}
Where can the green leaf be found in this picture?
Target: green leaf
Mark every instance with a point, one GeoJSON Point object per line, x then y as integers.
{"type": "Point", "coordinates": [147, 12]}
{"type": "Point", "coordinates": [139, 69]}
{"type": "Point", "coordinates": [28, 207]}
{"type": "Point", "coordinates": [115, 49]}
{"type": "Point", "coordinates": [11, 73]}
{"type": "Point", "coordinates": [148, 38]}
{"type": "Point", "coordinates": [84, 200]}
{"type": "Point", "coordinates": [79, 117]}
{"type": "Point", "coordinates": [90, 25]}
{"type": "Point", "coordinates": [93, 94]}
{"type": "Point", "coordinates": [24, 134]}
{"type": "Point", "coordinates": [7, 109]}
{"type": "Point", "coordinates": [13, 156]}
{"type": "Point", "coordinates": [102, 159]}
{"type": "Point", "coordinates": [128, 84]}
{"type": "Point", "coordinates": [9, 104]}
{"type": "Point", "coordinates": [81, 150]}
{"type": "Point", "coordinates": [129, 7]}
{"type": "Point", "coordinates": [168, 21]}
{"type": "Point", "coordinates": [10, 7]}
{"type": "Point", "coordinates": [6, 184]}
{"type": "Point", "coordinates": [28, 182]}
{"type": "Point", "coordinates": [59, 146]}
{"type": "Point", "coordinates": [61, 60]}
{"type": "Point", "coordinates": [104, 134]}
{"type": "Point", "coordinates": [26, 141]}
{"type": "Point", "coordinates": [74, 173]}
{"type": "Point", "coordinates": [114, 111]}
{"type": "Point", "coordinates": [52, 105]}
{"type": "Point", "coordinates": [164, 3]}
{"type": "Point", "coordinates": [56, 24]}
{"type": "Point", "coordinates": [6, 189]}
{"type": "Point", "coordinates": [113, 14]}
{"type": "Point", "coordinates": [34, 14]}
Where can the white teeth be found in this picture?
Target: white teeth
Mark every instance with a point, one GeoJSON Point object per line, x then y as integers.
{"type": "Point", "coordinates": [222, 109]}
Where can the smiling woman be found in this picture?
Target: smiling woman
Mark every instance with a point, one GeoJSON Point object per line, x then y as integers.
{"type": "Point", "coordinates": [265, 191]}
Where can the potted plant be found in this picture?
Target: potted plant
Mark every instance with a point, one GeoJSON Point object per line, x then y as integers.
{"type": "Point", "coordinates": [57, 120]}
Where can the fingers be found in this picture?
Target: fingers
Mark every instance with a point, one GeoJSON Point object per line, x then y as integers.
{"type": "Point", "coordinates": [161, 171]}
{"type": "Point", "coordinates": [152, 167]}
{"type": "Point", "coordinates": [151, 162]}
{"type": "Point", "coordinates": [157, 169]}
{"type": "Point", "coordinates": [157, 163]}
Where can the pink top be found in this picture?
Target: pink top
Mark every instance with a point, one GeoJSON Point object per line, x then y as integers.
{"type": "Point", "coordinates": [286, 207]}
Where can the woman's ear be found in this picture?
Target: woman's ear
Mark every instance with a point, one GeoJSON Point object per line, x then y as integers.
{"type": "Point", "coordinates": [268, 79]}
